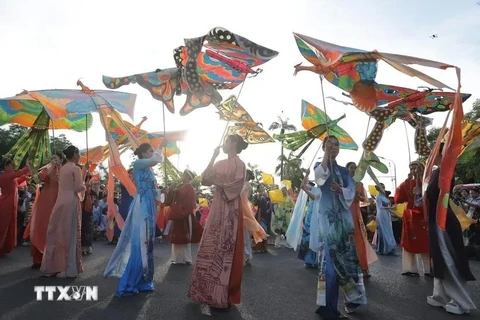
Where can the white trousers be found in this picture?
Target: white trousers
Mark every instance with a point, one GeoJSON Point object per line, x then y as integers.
{"type": "Point", "coordinates": [247, 244]}
{"type": "Point", "coordinates": [278, 239]}
{"type": "Point", "coordinates": [410, 262]}
{"type": "Point", "coordinates": [182, 253]}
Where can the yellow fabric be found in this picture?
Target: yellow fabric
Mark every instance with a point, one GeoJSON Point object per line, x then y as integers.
{"type": "Point", "coordinates": [372, 226]}
{"type": "Point", "coordinates": [203, 202]}
{"type": "Point", "coordinates": [462, 217]}
{"type": "Point", "coordinates": [399, 209]}
{"type": "Point", "coordinates": [267, 178]}
{"type": "Point", "coordinates": [288, 184]}
{"type": "Point", "coordinates": [276, 196]}
{"type": "Point", "coordinates": [373, 191]}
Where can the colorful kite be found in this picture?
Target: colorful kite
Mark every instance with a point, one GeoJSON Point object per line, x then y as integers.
{"type": "Point", "coordinates": [354, 70]}
{"type": "Point", "coordinates": [317, 126]}
{"type": "Point", "coordinates": [218, 60]}
{"type": "Point", "coordinates": [244, 125]}
{"type": "Point", "coordinates": [408, 105]}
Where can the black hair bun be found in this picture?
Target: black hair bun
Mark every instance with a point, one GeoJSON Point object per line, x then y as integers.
{"type": "Point", "coordinates": [243, 144]}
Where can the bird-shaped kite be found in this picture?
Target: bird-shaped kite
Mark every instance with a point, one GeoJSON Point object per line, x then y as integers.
{"type": "Point", "coordinates": [317, 126]}
{"type": "Point", "coordinates": [218, 60]}
{"type": "Point", "coordinates": [354, 70]}
{"type": "Point", "coordinates": [244, 125]}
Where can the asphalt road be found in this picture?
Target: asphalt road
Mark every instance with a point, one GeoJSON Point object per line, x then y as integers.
{"type": "Point", "coordinates": [277, 286]}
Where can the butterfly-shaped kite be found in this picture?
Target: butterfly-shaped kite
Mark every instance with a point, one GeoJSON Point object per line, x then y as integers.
{"type": "Point", "coordinates": [218, 60]}
{"type": "Point", "coordinates": [244, 125]}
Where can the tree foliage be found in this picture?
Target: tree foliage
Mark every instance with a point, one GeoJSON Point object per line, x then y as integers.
{"type": "Point", "coordinates": [468, 164]}
{"type": "Point", "coordinates": [292, 170]}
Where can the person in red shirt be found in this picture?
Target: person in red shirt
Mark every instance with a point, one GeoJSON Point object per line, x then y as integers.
{"type": "Point", "coordinates": [185, 227]}
{"type": "Point", "coordinates": [414, 227]}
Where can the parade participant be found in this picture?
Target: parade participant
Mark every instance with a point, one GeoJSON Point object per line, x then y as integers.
{"type": "Point", "coordinates": [263, 216]}
{"type": "Point", "coordinates": [43, 207]}
{"type": "Point", "coordinates": [414, 228]}
{"type": "Point", "coordinates": [63, 242]}
{"type": "Point", "coordinates": [9, 181]}
{"type": "Point", "coordinates": [282, 216]}
{"type": "Point", "coordinates": [449, 258]}
{"type": "Point", "coordinates": [125, 201]}
{"type": "Point", "coordinates": [132, 259]}
{"type": "Point", "coordinates": [366, 254]}
{"type": "Point", "coordinates": [309, 244]}
{"type": "Point", "coordinates": [250, 224]}
{"type": "Point", "coordinates": [247, 236]}
{"type": "Point", "coordinates": [386, 243]}
{"type": "Point", "coordinates": [217, 276]}
{"type": "Point", "coordinates": [185, 228]}
{"type": "Point", "coordinates": [339, 265]}
{"type": "Point", "coordinates": [91, 194]}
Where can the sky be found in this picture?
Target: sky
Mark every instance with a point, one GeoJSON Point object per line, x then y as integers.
{"type": "Point", "coordinates": [50, 44]}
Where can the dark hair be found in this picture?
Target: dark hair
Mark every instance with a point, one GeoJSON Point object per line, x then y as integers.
{"type": "Point", "coordinates": [349, 164]}
{"type": "Point", "coordinates": [440, 149]}
{"type": "Point", "coordinates": [61, 156]}
{"type": "Point", "coordinates": [261, 185]}
{"type": "Point", "coordinates": [250, 175]}
{"type": "Point", "coordinates": [241, 144]}
{"type": "Point", "coordinates": [130, 170]}
{"type": "Point", "coordinates": [144, 147]}
{"type": "Point", "coordinates": [326, 139]}
{"type": "Point", "coordinates": [70, 152]}
{"type": "Point", "coordinates": [6, 162]}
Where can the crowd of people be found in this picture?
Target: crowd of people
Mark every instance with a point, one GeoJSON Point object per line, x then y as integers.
{"type": "Point", "coordinates": [326, 222]}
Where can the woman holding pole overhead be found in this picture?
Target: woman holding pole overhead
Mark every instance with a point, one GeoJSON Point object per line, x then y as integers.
{"type": "Point", "coordinates": [132, 260]}
{"type": "Point", "coordinates": [217, 276]}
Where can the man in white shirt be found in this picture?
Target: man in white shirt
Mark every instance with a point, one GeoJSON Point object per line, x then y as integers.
{"type": "Point", "coordinates": [474, 203]}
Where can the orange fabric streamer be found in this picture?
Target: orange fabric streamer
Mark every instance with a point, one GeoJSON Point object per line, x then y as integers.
{"type": "Point", "coordinates": [452, 149]}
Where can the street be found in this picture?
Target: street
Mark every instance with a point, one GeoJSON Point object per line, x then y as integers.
{"type": "Point", "coordinates": [277, 286]}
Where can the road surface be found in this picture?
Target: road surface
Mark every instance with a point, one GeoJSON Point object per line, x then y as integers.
{"type": "Point", "coordinates": [277, 286]}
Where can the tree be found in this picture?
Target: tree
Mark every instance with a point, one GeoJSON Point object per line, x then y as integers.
{"type": "Point", "coordinates": [257, 175]}
{"type": "Point", "coordinates": [283, 125]}
{"type": "Point", "coordinates": [103, 173]}
{"type": "Point", "coordinates": [292, 167]}
{"type": "Point", "coordinates": [9, 136]}
{"type": "Point", "coordinates": [474, 114]}
{"type": "Point", "coordinates": [468, 166]}
{"type": "Point", "coordinates": [60, 143]}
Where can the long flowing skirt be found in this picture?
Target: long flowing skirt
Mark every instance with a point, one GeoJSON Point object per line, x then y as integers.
{"type": "Point", "coordinates": [63, 243]}
{"type": "Point", "coordinates": [217, 276]}
{"type": "Point", "coordinates": [386, 243]}
{"type": "Point", "coordinates": [132, 260]}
